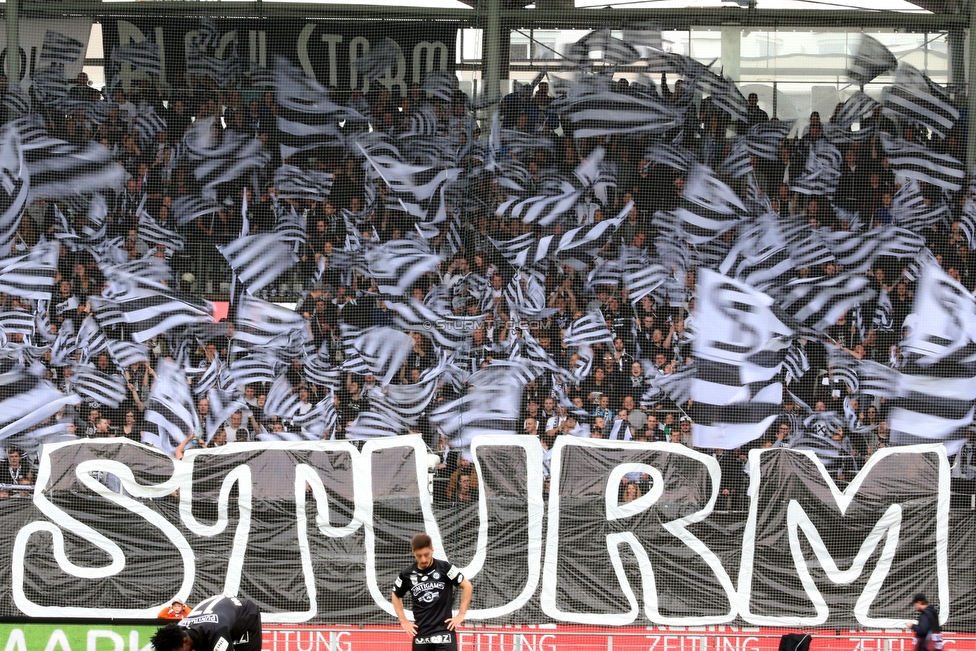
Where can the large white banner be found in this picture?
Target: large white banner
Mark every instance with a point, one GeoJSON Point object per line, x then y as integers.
{"type": "Point", "coordinates": [32, 33]}
{"type": "Point", "coordinates": [317, 530]}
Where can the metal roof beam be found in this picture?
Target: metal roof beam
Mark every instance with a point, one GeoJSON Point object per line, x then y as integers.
{"type": "Point", "coordinates": [511, 18]}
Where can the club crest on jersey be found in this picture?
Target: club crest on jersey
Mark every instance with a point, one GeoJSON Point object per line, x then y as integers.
{"type": "Point", "coordinates": [427, 597]}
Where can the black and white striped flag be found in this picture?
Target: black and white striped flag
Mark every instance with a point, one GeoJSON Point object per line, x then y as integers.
{"type": "Point", "coordinates": [14, 183]}
{"type": "Point", "coordinates": [420, 182]}
{"type": "Point", "coordinates": [225, 71]}
{"type": "Point", "coordinates": [578, 246]}
{"type": "Point", "coordinates": [911, 210]}
{"type": "Point", "coordinates": [526, 296]}
{"type": "Point", "coordinates": [967, 221]}
{"type": "Point", "coordinates": [917, 98]}
{"type": "Point", "coordinates": [282, 399]}
{"type": "Point", "coordinates": [216, 163]}
{"type": "Point", "coordinates": [61, 49]}
{"type": "Point", "coordinates": [31, 275]}
{"type": "Point", "coordinates": [188, 207]}
{"type": "Point", "coordinates": [152, 233]}
{"type": "Point", "coordinates": [291, 182]}
{"type": "Point", "coordinates": [711, 200]}
{"type": "Point", "coordinates": [143, 55]}
{"type": "Point", "coordinates": [872, 59]}
{"type": "Point", "coordinates": [588, 330]}
{"type": "Point", "coordinates": [609, 48]}
{"type": "Point", "coordinates": [170, 408]}
{"type": "Point", "coordinates": [857, 252]}
{"type": "Point", "coordinates": [406, 403]}
{"type": "Point", "coordinates": [102, 388]}
{"type": "Point", "coordinates": [28, 401]}
{"type": "Point", "coordinates": [946, 330]}
{"type": "Point", "coordinates": [379, 351]}
{"type": "Point", "coordinates": [147, 125]}
{"type": "Point", "coordinates": [254, 368]}
{"type": "Point", "coordinates": [592, 109]}
{"type": "Point", "coordinates": [442, 329]}
{"type": "Point", "coordinates": [17, 102]}
{"type": "Point", "coordinates": [319, 422]}
{"type": "Point", "coordinates": [396, 265]}
{"type": "Point", "coordinates": [204, 379]}
{"type": "Point", "coordinates": [258, 260]}
{"type": "Point", "coordinates": [491, 405]}
{"type": "Point", "coordinates": [290, 228]}
{"type": "Point", "coordinates": [439, 84]}
{"type": "Point", "coordinates": [318, 371]}
{"type": "Point", "coordinates": [372, 424]}
{"type": "Point", "coordinates": [821, 174]}
{"type": "Point", "coordinates": [17, 322]}
{"type": "Point", "coordinates": [853, 110]}
{"type": "Point", "coordinates": [918, 162]}
{"type": "Point", "coordinates": [763, 139]}
{"type": "Point", "coordinates": [49, 86]}
{"type": "Point", "coordinates": [819, 302]}
{"type": "Point", "coordinates": [127, 353]}
{"type": "Point", "coordinates": [59, 169]}
{"type": "Point", "coordinates": [151, 308]}
{"type": "Point", "coordinates": [260, 323]}
{"type": "Point", "coordinates": [736, 391]}
{"type": "Point", "coordinates": [307, 118]}
{"type": "Point", "coordinates": [381, 57]}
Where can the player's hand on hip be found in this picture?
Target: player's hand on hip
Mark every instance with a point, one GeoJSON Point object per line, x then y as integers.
{"type": "Point", "coordinates": [409, 627]}
{"type": "Point", "coordinates": [454, 623]}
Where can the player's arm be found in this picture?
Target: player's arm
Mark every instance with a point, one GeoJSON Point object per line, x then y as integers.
{"type": "Point", "coordinates": [466, 591]}
{"type": "Point", "coordinates": [401, 614]}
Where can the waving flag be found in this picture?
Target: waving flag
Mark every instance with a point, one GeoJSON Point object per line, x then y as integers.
{"type": "Point", "coordinates": [293, 183]}
{"type": "Point", "coordinates": [917, 98]}
{"type": "Point", "coordinates": [736, 391]}
{"type": "Point", "coordinates": [258, 260]}
{"type": "Point", "coordinates": [171, 409]}
{"type": "Point", "coordinates": [307, 118]}
{"type": "Point", "coordinates": [872, 59]}
{"type": "Point", "coordinates": [924, 164]}
{"type": "Point", "coordinates": [381, 57]}
{"type": "Point", "coordinates": [216, 163]}
{"type": "Point", "coordinates": [143, 55]}
{"type": "Point", "coordinates": [104, 389]}
{"type": "Point", "coordinates": [60, 49]}
{"type": "Point", "coordinates": [31, 275]}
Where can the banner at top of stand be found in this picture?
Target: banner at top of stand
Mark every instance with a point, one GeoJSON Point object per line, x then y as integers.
{"type": "Point", "coordinates": [31, 35]}
{"type": "Point", "coordinates": [325, 49]}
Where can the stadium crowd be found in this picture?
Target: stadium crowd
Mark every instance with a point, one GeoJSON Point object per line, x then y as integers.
{"type": "Point", "coordinates": [651, 337]}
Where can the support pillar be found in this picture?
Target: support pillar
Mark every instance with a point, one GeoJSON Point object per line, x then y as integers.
{"type": "Point", "coordinates": [732, 52]}
{"type": "Point", "coordinates": [957, 56]}
{"type": "Point", "coordinates": [492, 51]}
{"type": "Point", "coordinates": [12, 18]}
{"type": "Point", "coordinates": [971, 94]}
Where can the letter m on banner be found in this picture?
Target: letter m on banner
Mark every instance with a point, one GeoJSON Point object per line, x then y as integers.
{"type": "Point", "coordinates": [894, 516]}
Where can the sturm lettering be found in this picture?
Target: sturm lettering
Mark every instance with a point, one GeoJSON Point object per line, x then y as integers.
{"type": "Point", "coordinates": [98, 456]}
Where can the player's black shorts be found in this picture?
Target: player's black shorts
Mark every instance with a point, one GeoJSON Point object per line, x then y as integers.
{"type": "Point", "coordinates": [437, 642]}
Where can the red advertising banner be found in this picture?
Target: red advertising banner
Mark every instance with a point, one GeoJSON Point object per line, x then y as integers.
{"type": "Point", "coordinates": [584, 638]}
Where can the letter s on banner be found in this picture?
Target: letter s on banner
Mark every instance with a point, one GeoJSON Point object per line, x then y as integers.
{"type": "Point", "coordinates": [61, 520]}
